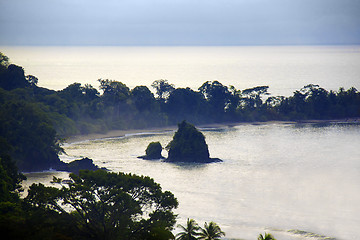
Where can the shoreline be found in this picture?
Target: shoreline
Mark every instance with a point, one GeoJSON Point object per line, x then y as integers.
{"type": "Point", "coordinates": [125, 132]}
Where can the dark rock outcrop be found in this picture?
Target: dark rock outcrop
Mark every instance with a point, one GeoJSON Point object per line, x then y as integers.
{"type": "Point", "coordinates": [188, 145]}
{"type": "Point", "coordinates": [153, 151]}
{"type": "Point", "coordinates": [77, 165]}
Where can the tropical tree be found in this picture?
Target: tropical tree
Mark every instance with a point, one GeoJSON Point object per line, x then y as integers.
{"type": "Point", "coordinates": [190, 231]}
{"type": "Point", "coordinates": [114, 91]}
{"type": "Point", "coordinates": [184, 103]}
{"type": "Point", "coordinates": [163, 88]}
{"type": "Point", "coordinates": [217, 95]}
{"type": "Point", "coordinates": [104, 205]}
{"type": "Point", "coordinates": [13, 77]}
{"type": "Point", "coordinates": [252, 96]}
{"type": "Point", "coordinates": [211, 231]}
{"type": "Point", "coordinates": [33, 81]}
{"type": "Point", "coordinates": [4, 62]}
{"type": "Point", "coordinates": [267, 236]}
{"type": "Point", "coordinates": [143, 98]}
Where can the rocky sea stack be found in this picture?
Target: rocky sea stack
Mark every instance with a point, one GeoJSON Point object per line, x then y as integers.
{"type": "Point", "coordinates": [188, 145]}
{"type": "Point", "coordinates": [153, 151]}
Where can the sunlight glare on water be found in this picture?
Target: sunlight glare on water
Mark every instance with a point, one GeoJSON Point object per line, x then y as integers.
{"type": "Point", "coordinates": [274, 177]}
{"type": "Point", "coordinates": [283, 68]}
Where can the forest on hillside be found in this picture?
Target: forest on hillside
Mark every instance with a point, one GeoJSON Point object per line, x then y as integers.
{"type": "Point", "coordinates": [34, 120]}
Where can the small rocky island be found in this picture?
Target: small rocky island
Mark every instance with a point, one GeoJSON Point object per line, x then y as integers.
{"type": "Point", "coordinates": [153, 151]}
{"type": "Point", "coordinates": [77, 165]}
{"type": "Point", "coordinates": [188, 145]}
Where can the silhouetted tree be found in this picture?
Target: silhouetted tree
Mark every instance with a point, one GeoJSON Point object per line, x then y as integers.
{"type": "Point", "coordinates": [73, 93]}
{"type": "Point", "coordinates": [163, 88]}
{"type": "Point", "coordinates": [10, 178]}
{"type": "Point", "coordinates": [184, 103]}
{"type": "Point", "coordinates": [90, 93]}
{"type": "Point", "coordinates": [32, 80]}
{"type": "Point", "coordinates": [104, 205]}
{"type": "Point", "coordinates": [114, 92]}
{"type": "Point", "coordinates": [189, 232]}
{"type": "Point", "coordinates": [267, 236]}
{"type": "Point", "coordinates": [218, 97]}
{"type": "Point", "coordinates": [4, 62]}
{"type": "Point", "coordinates": [29, 131]}
{"type": "Point", "coordinates": [211, 231]}
{"type": "Point", "coordinates": [13, 77]}
{"type": "Point", "coordinates": [252, 96]}
{"type": "Point", "coordinates": [142, 98]}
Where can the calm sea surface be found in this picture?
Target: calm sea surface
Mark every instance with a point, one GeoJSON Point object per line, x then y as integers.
{"type": "Point", "coordinates": [274, 177]}
{"type": "Point", "coordinates": [284, 69]}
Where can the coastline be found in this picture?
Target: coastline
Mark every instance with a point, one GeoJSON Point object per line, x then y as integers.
{"type": "Point", "coordinates": [125, 132]}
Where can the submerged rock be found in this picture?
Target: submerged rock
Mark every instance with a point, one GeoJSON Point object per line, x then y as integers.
{"type": "Point", "coordinates": [188, 145]}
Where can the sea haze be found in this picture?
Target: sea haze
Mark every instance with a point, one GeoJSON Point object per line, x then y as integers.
{"type": "Point", "coordinates": [284, 68]}
{"type": "Point", "coordinates": [273, 178]}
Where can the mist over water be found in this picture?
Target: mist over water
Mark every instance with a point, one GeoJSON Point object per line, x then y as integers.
{"type": "Point", "coordinates": [274, 178]}
{"type": "Point", "coordinates": [284, 68]}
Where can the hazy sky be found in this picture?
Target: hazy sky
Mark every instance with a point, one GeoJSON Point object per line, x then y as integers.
{"type": "Point", "coordinates": [179, 22]}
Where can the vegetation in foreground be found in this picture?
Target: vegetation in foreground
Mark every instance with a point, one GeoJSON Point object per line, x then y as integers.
{"type": "Point", "coordinates": [192, 231]}
{"type": "Point", "coordinates": [94, 205]}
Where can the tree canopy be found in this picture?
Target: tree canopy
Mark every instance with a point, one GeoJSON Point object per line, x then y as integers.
{"type": "Point", "coordinates": [104, 205]}
{"type": "Point", "coordinates": [163, 88]}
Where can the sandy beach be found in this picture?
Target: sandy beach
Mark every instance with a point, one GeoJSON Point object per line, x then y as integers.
{"type": "Point", "coordinates": [122, 133]}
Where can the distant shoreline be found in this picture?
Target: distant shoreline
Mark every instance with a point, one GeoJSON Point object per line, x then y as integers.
{"type": "Point", "coordinates": [125, 132]}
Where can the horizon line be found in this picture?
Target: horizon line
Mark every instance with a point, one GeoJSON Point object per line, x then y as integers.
{"type": "Point", "coordinates": [178, 45]}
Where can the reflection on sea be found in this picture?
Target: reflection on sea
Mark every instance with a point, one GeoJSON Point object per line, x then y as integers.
{"type": "Point", "coordinates": [274, 177]}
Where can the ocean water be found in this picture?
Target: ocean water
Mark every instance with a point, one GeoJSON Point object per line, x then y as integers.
{"type": "Point", "coordinates": [284, 68]}
{"type": "Point", "coordinates": [297, 181]}
{"type": "Point", "coordinates": [290, 180]}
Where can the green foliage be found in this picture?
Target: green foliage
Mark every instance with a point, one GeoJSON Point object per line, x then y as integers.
{"type": "Point", "coordinates": [103, 205]}
{"type": "Point", "coordinates": [211, 231]}
{"type": "Point", "coordinates": [143, 98]}
{"type": "Point", "coordinates": [11, 214]}
{"type": "Point", "coordinates": [184, 103]}
{"type": "Point", "coordinates": [13, 77]}
{"type": "Point", "coordinates": [188, 145]}
{"type": "Point", "coordinates": [218, 97]}
{"type": "Point", "coordinates": [114, 91]}
{"type": "Point", "coordinates": [29, 131]}
{"type": "Point", "coordinates": [32, 80]}
{"type": "Point", "coordinates": [4, 60]}
{"type": "Point", "coordinates": [266, 236]}
{"type": "Point", "coordinates": [10, 178]}
{"type": "Point", "coordinates": [192, 231]}
{"type": "Point", "coordinates": [153, 151]}
{"type": "Point", "coordinates": [252, 96]}
{"type": "Point", "coordinates": [189, 232]}
{"type": "Point", "coordinates": [163, 88]}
